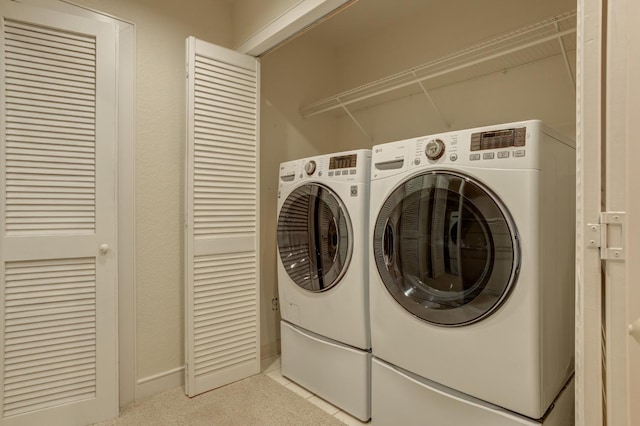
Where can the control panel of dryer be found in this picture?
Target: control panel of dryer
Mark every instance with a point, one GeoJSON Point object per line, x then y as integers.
{"type": "Point", "coordinates": [500, 143]}
{"type": "Point", "coordinates": [508, 146]}
{"type": "Point", "coordinates": [469, 146]}
{"type": "Point", "coordinates": [502, 138]}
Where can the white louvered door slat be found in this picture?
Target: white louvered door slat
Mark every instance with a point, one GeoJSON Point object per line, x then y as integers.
{"type": "Point", "coordinates": [222, 287]}
{"type": "Point", "coordinates": [57, 206]}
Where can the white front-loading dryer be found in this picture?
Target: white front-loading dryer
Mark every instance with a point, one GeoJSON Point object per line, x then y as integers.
{"type": "Point", "coordinates": [472, 259]}
{"type": "Point", "coordinates": [322, 236]}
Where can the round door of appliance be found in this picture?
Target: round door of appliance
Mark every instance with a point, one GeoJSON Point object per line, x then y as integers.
{"type": "Point", "coordinates": [314, 237]}
{"type": "Point", "coordinates": [446, 248]}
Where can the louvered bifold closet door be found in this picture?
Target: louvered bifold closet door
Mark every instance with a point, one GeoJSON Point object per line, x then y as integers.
{"type": "Point", "coordinates": [222, 274]}
{"type": "Point", "coordinates": [58, 354]}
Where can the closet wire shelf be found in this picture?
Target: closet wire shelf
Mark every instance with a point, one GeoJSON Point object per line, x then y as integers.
{"type": "Point", "coordinates": [551, 37]}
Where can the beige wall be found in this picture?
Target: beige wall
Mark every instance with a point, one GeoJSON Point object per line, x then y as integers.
{"type": "Point", "coordinates": [542, 90]}
{"type": "Point", "coordinates": [445, 28]}
{"type": "Point", "coordinates": [161, 29]}
{"type": "Point", "coordinates": [289, 74]}
{"type": "Point", "coordinates": [251, 16]}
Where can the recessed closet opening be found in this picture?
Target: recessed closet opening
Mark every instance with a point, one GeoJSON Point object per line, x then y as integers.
{"type": "Point", "coordinates": [380, 71]}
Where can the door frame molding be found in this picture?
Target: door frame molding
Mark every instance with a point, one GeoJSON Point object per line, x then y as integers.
{"type": "Point", "coordinates": [589, 138]}
{"type": "Point", "coordinates": [127, 326]}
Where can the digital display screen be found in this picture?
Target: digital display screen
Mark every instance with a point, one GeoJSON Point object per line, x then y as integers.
{"type": "Point", "coordinates": [496, 139]}
{"type": "Point", "coordinates": [343, 161]}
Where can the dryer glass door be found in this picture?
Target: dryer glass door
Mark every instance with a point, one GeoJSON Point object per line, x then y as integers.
{"type": "Point", "coordinates": [445, 248]}
{"type": "Point", "coordinates": [314, 237]}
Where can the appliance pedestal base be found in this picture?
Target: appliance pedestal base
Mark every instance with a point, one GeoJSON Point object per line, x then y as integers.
{"type": "Point", "coordinates": [337, 373]}
{"type": "Point", "coordinates": [402, 398]}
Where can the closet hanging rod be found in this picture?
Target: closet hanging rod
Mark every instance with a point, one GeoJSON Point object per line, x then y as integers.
{"type": "Point", "coordinates": [512, 43]}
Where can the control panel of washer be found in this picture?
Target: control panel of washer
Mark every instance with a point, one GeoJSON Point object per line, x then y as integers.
{"type": "Point", "coordinates": [345, 166]}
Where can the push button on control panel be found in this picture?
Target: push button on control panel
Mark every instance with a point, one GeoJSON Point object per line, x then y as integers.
{"type": "Point", "coordinates": [488, 156]}
{"type": "Point", "coordinates": [519, 153]}
{"type": "Point", "coordinates": [503, 154]}
{"type": "Point", "coordinates": [474, 157]}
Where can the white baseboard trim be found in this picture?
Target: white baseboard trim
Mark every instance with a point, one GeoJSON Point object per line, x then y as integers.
{"type": "Point", "coordinates": [152, 385]}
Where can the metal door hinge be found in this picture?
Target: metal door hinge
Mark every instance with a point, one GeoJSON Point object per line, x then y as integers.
{"type": "Point", "coordinates": [608, 235]}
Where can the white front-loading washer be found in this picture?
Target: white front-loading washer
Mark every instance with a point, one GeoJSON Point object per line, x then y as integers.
{"type": "Point", "coordinates": [322, 240]}
{"type": "Point", "coordinates": [472, 261]}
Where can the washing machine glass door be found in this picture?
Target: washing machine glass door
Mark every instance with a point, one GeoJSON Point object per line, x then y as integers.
{"type": "Point", "coordinates": [314, 237]}
{"type": "Point", "coordinates": [446, 248]}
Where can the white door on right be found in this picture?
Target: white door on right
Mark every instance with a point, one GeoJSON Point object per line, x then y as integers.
{"type": "Point", "coordinates": [622, 151]}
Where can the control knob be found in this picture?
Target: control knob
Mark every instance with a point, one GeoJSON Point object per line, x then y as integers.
{"type": "Point", "coordinates": [310, 167]}
{"type": "Point", "coordinates": [435, 149]}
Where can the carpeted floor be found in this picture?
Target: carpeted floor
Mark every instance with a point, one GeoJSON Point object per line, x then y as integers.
{"type": "Point", "coordinates": [258, 400]}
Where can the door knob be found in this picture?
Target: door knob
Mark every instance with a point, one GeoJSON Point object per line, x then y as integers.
{"type": "Point", "coordinates": [104, 248]}
{"type": "Point", "coordinates": [634, 330]}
